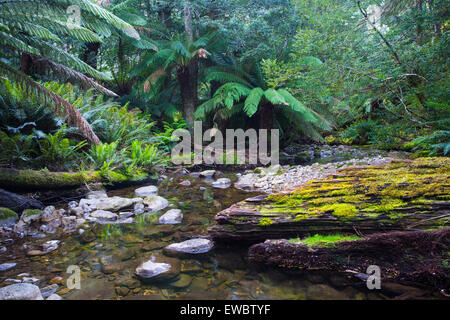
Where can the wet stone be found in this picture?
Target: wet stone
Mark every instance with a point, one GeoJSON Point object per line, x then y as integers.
{"type": "Point", "coordinates": [173, 216]}
{"type": "Point", "coordinates": [146, 191]}
{"type": "Point", "coordinates": [7, 266]}
{"type": "Point", "coordinates": [193, 246]}
{"type": "Point", "coordinates": [20, 291]}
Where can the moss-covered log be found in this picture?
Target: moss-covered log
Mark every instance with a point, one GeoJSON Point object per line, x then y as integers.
{"type": "Point", "coordinates": [14, 180]}
{"type": "Point", "coordinates": [404, 195]}
{"type": "Point", "coordinates": [419, 256]}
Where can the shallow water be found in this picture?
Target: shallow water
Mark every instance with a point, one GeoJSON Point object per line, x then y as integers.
{"type": "Point", "coordinates": [223, 274]}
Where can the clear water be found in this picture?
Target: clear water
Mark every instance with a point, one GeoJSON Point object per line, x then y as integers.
{"type": "Point", "coordinates": [225, 274]}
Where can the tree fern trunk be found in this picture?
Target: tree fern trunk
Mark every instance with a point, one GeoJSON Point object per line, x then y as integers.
{"type": "Point", "coordinates": [188, 80]}
{"type": "Point", "coordinates": [266, 113]}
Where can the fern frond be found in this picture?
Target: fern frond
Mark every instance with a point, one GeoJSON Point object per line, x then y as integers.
{"type": "Point", "coordinates": [57, 104]}
{"type": "Point", "coordinates": [253, 100]}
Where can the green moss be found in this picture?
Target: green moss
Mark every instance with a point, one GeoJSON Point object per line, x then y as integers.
{"type": "Point", "coordinates": [6, 213]}
{"type": "Point", "coordinates": [31, 212]}
{"type": "Point", "coordinates": [325, 240]}
{"type": "Point", "coordinates": [369, 192]}
{"type": "Point", "coordinates": [264, 222]}
{"type": "Point", "coordinates": [340, 209]}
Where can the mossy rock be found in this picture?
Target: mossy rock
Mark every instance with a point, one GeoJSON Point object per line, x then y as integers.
{"type": "Point", "coordinates": [6, 213]}
{"type": "Point", "coordinates": [7, 216]}
{"type": "Point", "coordinates": [31, 212]}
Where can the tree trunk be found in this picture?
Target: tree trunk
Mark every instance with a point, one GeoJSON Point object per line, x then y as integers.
{"type": "Point", "coordinates": [266, 114]}
{"type": "Point", "coordinates": [17, 202]}
{"type": "Point", "coordinates": [91, 53]}
{"type": "Point", "coordinates": [188, 80]}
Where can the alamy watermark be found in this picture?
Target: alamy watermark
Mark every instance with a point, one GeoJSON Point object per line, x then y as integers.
{"type": "Point", "coordinates": [236, 150]}
{"type": "Point", "coordinates": [374, 279]}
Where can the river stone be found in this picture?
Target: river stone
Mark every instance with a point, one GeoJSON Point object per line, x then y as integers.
{"type": "Point", "coordinates": [222, 183]}
{"type": "Point", "coordinates": [104, 215]}
{"type": "Point", "coordinates": [49, 290]}
{"type": "Point", "coordinates": [156, 203]}
{"type": "Point", "coordinates": [54, 297]}
{"type": "Point", "coordinates": [100, 194]}
{"type": "Point", "coordinates": [183, 282]}
{"type": "Point", "coordinates": [173, 216]}
{"type": "Point", "coordinates": [185, 183]}
{"type": "Point", "coordinates": [114, 204]}
{"type": "Point", "coordinates": [146, 191]}
{"type": "Point", "coordinates": [20, 291]}
{"type": "Point", "coordinates": [208, 173]}
{"type": "Point", "coordinates": [324, 292]}
{"type": "Point", "coordinates": [246, 182]}
{"type": "Point", "coordinates": [156, 271]}
{"type": "Point", "coordinates": [30, 215]}
{"type": "Point", "coordinates": [193, 246]}
{"type": "Point", "coordinates": [7, 217]}
{"type": "Point", "coordinates": [50, 214]}
{"type": "Point", "coordinates": [50, 246]}
{"type": "Point", "coordinates": [7, 266]}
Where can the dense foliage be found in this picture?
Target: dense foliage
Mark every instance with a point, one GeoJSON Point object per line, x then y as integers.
{"type": "Point", "coordinates": [355, 72]}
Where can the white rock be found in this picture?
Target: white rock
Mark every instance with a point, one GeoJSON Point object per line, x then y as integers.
{"type": "Point", "coordinates": [105, 215]}
{"type": "Point", "coordinates": [54, 297]}
{"type": "Point", "coordinates": [20, 291]}
{"type": "Point", "coordinates": [156, 203]}
{"type": "Point", "coordinates": [146, 191]}
{"type": "Point", "coordinates": [193, 246]}
{"type": "Point", "coordinates": [222, 183]}
{"type": "Point", "coordinates": [208, 173]}
{"type": "Point", "coordinates": [173, 216]}
{"type": "Point", "coordinates": [152, 269]}
{"type": "Point", "coordinates": [7, 266]}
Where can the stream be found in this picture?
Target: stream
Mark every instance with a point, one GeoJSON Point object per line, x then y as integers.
{"type": "Point", "coordinates": [109, 258]}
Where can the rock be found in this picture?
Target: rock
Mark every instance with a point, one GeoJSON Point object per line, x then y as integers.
{"type": "Point", "coordinates": [222, 183]}
{"type": "Point", "coordinates": [114, 204]}
{"type": "Point", "coordinates": [185, 183]}
{"type": "Point", "coordinates": [100, 194]}
{"type": "Point", "coordinates": [274, 170]}
{"type": "Point", "coordinates": [156, 203]}
{"type": "Point", "coordinates": [125, 215]}
{"type": "Point", "coordinates": [191, 267]}
{"type": "Point", "coordinates": [33, 253]}
{"type": "Point", "coordinates": [50, 246]}
{"type": "Point", "coordinates": [104, 215]}
{"type": "Point", "coordinates": [173, 216]}
{"type": "Point", "coordinates": [207, 174]}
{"type": "Point", "coordinates": [76, 211]}
{"type": "Point", "coordinates": [20, 291]}
{"type": "Point", "coordinates": [7, 217]}
{"type": "Point", "coordinates": [49, 290]}
{"type": "Point", "coordinates": [156, 271]}
{"type": "Point", "coordinates": [139, 208]}
{"type": "Point", "coordinates": [193, 246]}
{"type": "Point", "coordinates": [246, 182]}
{"type": "Point", "coordinates": [54, 297]}
{"type": "Point", "coordinates": [17, 202]}
{"type": "Point", "coordinates": [183, 282]}
{"type": "Point", "coordinates": [324, 292]}
{"type": "Point", "coordinates": [57, 280]}
{"type": "Point", "coordinates": [146, 191]}
{"type": "Point", "coordinates": [30, 215]}
{"type": "Point", "coordinates": [7, 266]}
{"type": "Point", "coordinates": [2, 250]}
{"type": "Point", "coordinates": [122, 291]}
{"type": "Point", "coordinates": [49, 214]}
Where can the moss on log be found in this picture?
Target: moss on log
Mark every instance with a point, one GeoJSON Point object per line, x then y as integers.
{"type": "Point", "coordinates": [403, 195]}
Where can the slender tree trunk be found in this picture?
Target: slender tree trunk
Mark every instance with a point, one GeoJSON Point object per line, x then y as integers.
{"type": "Point", "coordinates": [266, 114]}
{"type": "Point", "coordinates": [419, 23]}
{"type": "Point", "coordinates": [90, 54]}
{"type": "Point", "coordinates": [188, 80]}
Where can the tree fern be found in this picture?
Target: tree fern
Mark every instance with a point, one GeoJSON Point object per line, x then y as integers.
{"type": "Point", "coordinates": [36, 28]}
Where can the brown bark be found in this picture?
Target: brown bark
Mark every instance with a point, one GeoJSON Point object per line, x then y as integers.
{"type": "Point", "coordinates": [188, 80]}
